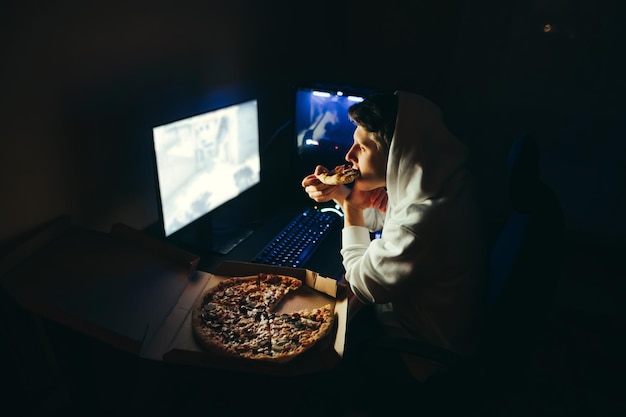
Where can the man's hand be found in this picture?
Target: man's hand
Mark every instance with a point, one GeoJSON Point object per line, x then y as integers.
{"type": "Point", "coordinates": [321, 192]}
{"type": "Point", "coordinates": [376, 198]}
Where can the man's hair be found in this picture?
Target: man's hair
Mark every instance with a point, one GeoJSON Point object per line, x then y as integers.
{"type": "Point", "coordinates": [377, 114]}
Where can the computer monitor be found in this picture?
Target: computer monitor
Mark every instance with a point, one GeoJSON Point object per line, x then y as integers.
{"type": "Point", "coordinates": [203, 162]}
{"type": "Point", "coordinates": [323, 130]}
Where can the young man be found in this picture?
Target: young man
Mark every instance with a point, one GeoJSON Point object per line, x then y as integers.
{"type": "Point", "coordinates": [424, 278]}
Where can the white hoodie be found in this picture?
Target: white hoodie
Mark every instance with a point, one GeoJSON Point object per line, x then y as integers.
{"type": "Point", "coordinates": [426, 272]}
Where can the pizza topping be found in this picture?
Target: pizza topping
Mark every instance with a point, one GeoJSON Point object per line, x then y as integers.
{"type": "Point", "coordinates": [236, 317]}
{"type": "Point", "coordinates": [341, 174]}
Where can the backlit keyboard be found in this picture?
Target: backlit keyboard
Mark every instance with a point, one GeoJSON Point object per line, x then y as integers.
{"type": "Point", "coordinates": [295, 244]}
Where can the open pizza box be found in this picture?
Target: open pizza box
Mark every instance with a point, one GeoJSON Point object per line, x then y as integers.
{"type": "Point", "coordinates": [136, 294]}
{"type": "Point", "coordinates": [316, 291]}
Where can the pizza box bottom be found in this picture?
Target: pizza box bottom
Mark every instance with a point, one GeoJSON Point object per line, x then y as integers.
{"type": "Point", "coordinates": [316, 291]}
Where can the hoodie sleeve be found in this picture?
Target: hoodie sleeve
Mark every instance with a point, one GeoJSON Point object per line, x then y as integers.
{"type": "Point", "coordinates": [374, 219]}
{"type": "Point", "coordinates": [375, 269]}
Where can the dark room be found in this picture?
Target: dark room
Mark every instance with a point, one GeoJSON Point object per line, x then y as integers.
{"type": "Point", "coordinates": [152, 150]}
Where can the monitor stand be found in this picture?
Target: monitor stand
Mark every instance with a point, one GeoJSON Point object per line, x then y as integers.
{"type": "Point", "coordinates": [219, 236]}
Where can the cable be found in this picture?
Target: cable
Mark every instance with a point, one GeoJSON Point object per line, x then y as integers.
{"type": "Point", "coordinates": [276, 132]}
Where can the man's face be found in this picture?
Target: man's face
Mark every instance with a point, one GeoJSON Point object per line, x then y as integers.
{"type": "Point", "coordinates": [368, 159]}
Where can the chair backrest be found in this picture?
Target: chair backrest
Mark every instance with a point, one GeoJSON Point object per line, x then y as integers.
{"type": "Point", "coordinates": [526, 260]}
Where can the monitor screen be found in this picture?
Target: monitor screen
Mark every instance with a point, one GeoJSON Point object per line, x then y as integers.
{"type": "Point", "coordinates": [322, 127]}
{"type": "Point", "coordinates": [204, 161]}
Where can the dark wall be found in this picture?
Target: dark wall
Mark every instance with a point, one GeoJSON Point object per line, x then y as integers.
{"type": "Point", "coordinates": [565, 86]}
{"type": "Point", "coordinates": [84, 83]}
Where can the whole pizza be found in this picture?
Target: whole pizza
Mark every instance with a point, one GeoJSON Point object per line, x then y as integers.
{"type": "Point", "coordinates": [237, 318]}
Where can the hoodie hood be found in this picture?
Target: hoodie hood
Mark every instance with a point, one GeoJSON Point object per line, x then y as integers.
{"type": "Point", "coordinates": [424, 157]}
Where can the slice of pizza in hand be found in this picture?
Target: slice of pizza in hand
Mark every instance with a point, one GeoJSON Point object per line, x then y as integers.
{"type": "Point", "coordinates": [341, 174]}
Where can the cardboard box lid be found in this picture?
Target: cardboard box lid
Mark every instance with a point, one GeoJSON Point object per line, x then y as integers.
{"type": "Point", "coordinates": [184, 349]}
{"type": "Point", "coordinates": [118, 287]}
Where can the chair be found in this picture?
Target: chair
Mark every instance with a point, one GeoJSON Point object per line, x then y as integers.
{"type": "Point", "coordinates": [525, 267]}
